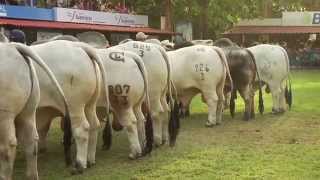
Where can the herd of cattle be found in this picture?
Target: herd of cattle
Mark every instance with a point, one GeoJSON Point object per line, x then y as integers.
{"type": "Point", "coordinates": [146, 86]}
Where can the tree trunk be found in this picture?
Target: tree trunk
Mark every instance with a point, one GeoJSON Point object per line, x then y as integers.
{"type": "Point", "coordinates": [204, 5]}
{"type": "Point", "coordinates": [266, 7]}
{"type": "Point", "coordinates": [168, 14]}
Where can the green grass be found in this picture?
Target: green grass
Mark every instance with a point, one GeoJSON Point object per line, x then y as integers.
{"type": "Point", "coordinates": [269, 147]}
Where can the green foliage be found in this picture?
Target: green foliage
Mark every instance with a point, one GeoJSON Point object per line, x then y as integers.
{"type": "Point", "coordinates": [222, 14]}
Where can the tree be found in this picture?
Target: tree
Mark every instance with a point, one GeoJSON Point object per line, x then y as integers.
{"type": "Point", "coordinates": [212, 17]}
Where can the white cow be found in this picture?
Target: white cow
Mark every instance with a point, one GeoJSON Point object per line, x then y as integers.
{"type": "Point", "coordinates": [128, 89]}
{"type": "Point", "coordinates": [207, 42]}
{"type": "Point", "coordinates": [3, 38]}
{"type": "Point", "coordinates": [200, 69]}
{"type": "Point", "coordinates": [274, 70]}
{"type": "Point", "coordinates": [20, 95]}
{"type": "Point", "coordinates": [158, 69]}
{"type": "Point", "coordinates": [77, 67]}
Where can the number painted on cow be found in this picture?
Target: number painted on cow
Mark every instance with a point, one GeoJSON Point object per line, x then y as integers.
{"type": "Point", "coordinates": [117, 56]}
{"type": "Point", "coordinates": [135, 45]}
{"type": "Point", "coordinates": [141, 53]}
{"type": "Point", "coordinates": [119, 90]}
{"type": "Point", "coordinates": [201, 67]}
{"type": "Point", "coordinates": [119, 94]}
{"type": "Point", "coordinates": [142, 47]}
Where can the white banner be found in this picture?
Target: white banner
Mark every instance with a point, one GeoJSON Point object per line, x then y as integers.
{"type": "Point", "coordinates": [301, 18]}
{"type": "Point", "coordinates": [95, 17]}
{"type": "Point", "coordinates": [3, 11]}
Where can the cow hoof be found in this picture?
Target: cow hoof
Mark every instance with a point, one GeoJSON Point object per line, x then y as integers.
{"type": "Point", "coordinates": [77, 169]}
{"type": "Point", "coordinates": [146, 151]}
{"type": "Point", "coordinates": [117, 126]}
{"type": "Point", "coordinates": [280, 111]}
{"type": "Point", "coordinates": [246, 118]}
{"type": "Point", "coordinates": [158, 142]}
{"type": "Point", "coordinates": [164, 141]}
{"type": "Point", "coordinates": [134, 156]}
{"type": "Point", "coordinates": [42, 150]}
{"type": "Point", "coordinates": [209, 125]}
{"type": "Point", "coordinates": [172, 144]}
{"type": "Point", "coordinates": [90, 164]}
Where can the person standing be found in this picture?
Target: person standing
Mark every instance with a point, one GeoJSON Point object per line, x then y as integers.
{"type": "Point", "coordinates": [16, 35]}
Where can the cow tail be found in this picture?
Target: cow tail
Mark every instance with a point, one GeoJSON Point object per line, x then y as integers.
{"type": "Point", "coordinates": [26, 51]}
{"type": "Point", "coordinates": [167, 61]}
{"type": "Point", "coordinates": [148, 123]}
{"type": "Point", "coordinates": [224, 61]}
{"type": "Point", "coordinates": [91, 52]}
{"type": "Point", "coordinates": [288, 90]}
{"type": "Point", "coordinates": [174, 122]}
{"type": "Point", "coordinates": [107, 135]}
{"type": "Point", "coordinates": [261, 104]}
{"type": "Point", "coordinates": [232, 105]}
{"type": "Point", "coordinates": [174, 119]}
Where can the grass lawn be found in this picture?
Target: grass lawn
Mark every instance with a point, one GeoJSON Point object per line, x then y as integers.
{"type": "Point", "coordinates": [269, 147]}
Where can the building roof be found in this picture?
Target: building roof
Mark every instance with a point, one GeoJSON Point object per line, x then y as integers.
{"type": "Point", "coordinates": [78, 26]}
{"type": "Point", "coordinates": [273, 30]}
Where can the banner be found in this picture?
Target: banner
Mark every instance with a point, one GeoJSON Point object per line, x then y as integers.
{"type": "Point", "coordinates": [307, 18]}
{"type": "Point", "coordinates": [3, 11]}
{"type": "Point", "coordinates": [25, 12]}
{"type": "Point", "coordinates": [95, 17]}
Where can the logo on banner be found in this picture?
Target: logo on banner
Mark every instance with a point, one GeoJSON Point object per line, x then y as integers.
{"type": "Point", "coordinates": [124, 20]}
{"type": "Point", "coordinates": [78, 16]}
{"type": "Point", "coordinates": [3, 11]}
{"type": "Point", "coordinates": [316, 18]}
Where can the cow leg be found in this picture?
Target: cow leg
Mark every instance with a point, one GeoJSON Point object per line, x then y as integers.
{"type": "Point", "coordinates": [165, 120]}
{"type": "Point", "coordinates": [128, 120]}
{"type": "Point", "coordinates": [252, 104]}
{"type": "Point", "coordinates": [283, 104]}
{"type": "Point", "coordinates": [211, 100]}
{"type": "Point", "coordinates": [28, 136]}
{"type": "Point", "coordinates": [8, 144]}
{"type": "Point", "coordinates": [246, 95]}
{"type": "Point", "coordinates": [80, 131]}
{"type": "Point", "coordinates": [141, 124]}
{"type": "Point", "coordinates": [44, 119]}
{"type": "Point", "coordinates": [90, 111]}
{"type": "Point", "coordinates": [276, 94]}
{"type": "Point", "coordinates": [156, 110]}
{"type": "Point", "coordinates": [227, 100]}
{"type": "Point", "coordinates": [185, 99]}
{"type": "Point", "coordinates": [221, 101]}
